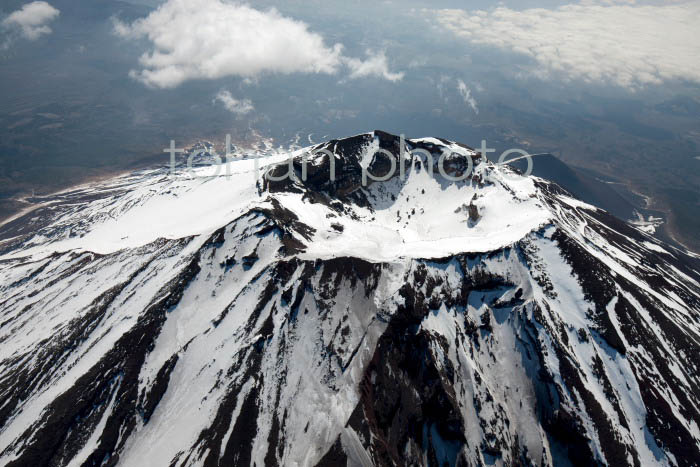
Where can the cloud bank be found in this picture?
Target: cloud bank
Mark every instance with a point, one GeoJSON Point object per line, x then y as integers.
{"type": "Point", "coordinates": [233, 105]}
{"type": "Point", "coordinates": [32, 20]}
{"type": "Point", "coordinates": [211, 39]}
{"type": "Point", "coordinates": [631, 45]}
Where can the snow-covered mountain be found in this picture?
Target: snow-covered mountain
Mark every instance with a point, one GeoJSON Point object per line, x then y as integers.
{"type": "Point", "coordinates": [169, 320]}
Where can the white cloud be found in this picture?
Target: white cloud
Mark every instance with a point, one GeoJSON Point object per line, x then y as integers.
{"type": "Point", "coordinates": [375, 65]}
{"type": "Point", "coordinates": [211, 39]}
{"type": "Point", "coordinates": [444, 79]}
{"type": "Point", "coordinates": [418, 62]}
{"type": "Point", "coordinates": [466, 94]}
{"type": "Point", "coordinates": [32, 20]}
{"type": "Point", "coordinates": [233, 105]}
{"type": "Point", "coordinates": [631, 45]}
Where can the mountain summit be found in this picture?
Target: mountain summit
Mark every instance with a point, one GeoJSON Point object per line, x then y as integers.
{"type": "Point", "coordinates": [215, 317]}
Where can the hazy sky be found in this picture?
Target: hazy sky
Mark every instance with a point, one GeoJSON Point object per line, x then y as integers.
{"type": "Point", "coordinates": [237, 52]}
{"type": "Point", "coordinates": [610, 85]}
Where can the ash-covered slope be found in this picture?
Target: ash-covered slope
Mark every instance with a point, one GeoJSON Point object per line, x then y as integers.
{"type": "Point", "coordinates": [170, 320]}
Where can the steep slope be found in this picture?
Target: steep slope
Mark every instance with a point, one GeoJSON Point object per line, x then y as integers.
{"type": "Point", "coordinates": [234, 320]}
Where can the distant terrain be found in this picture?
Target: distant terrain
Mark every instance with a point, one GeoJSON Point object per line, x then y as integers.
{"type": "Point", "coordinates": [69, 112]}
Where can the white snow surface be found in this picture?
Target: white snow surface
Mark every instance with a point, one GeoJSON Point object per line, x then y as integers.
{"type": "Point", "coordinates": [427, 219]}
{"type": "Point", "coordinates": [126, 241]}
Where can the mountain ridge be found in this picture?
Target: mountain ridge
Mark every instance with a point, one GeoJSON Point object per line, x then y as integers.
{"type": "Point", "coordinates": [304, 322]}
